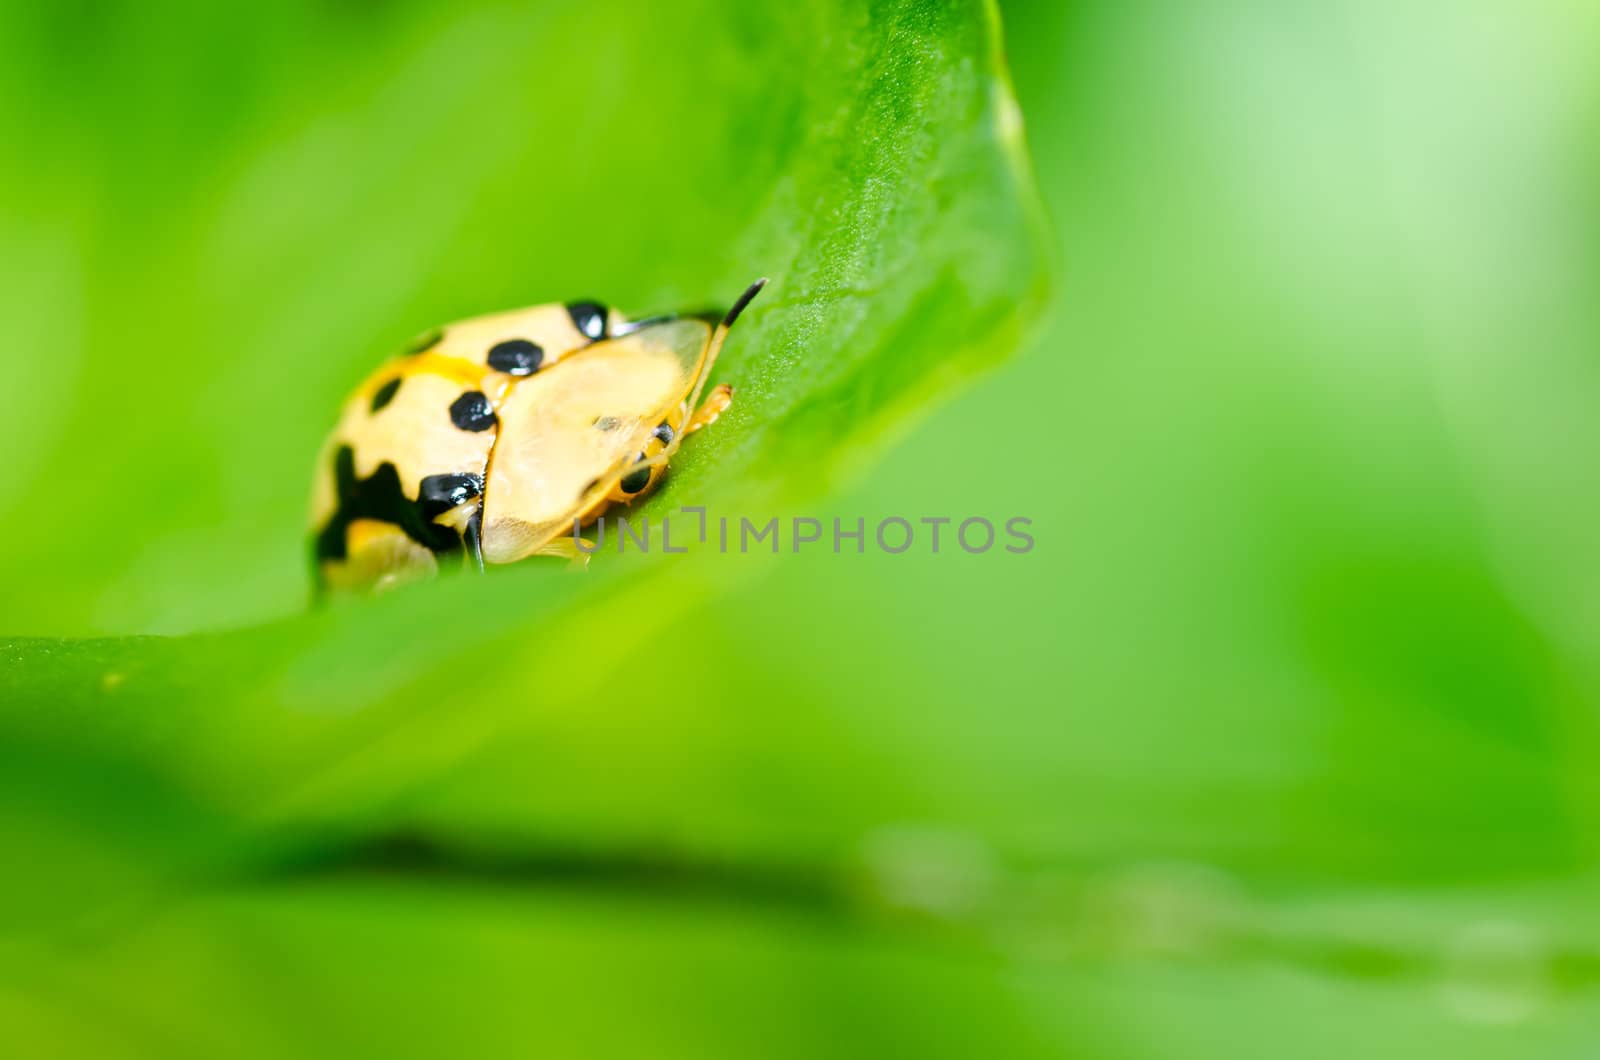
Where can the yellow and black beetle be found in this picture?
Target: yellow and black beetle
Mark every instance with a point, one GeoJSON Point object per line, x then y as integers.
{"type": "Point", "coordinates": [489, 440]}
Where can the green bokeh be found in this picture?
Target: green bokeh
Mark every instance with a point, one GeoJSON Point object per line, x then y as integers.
{"type": "Point", "coordinates": [1281, 741]}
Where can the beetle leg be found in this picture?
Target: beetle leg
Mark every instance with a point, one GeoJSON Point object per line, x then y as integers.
{"type": "Point", "coordinates": [473, 538]}
{"type": "Point", "coordinates": [467, 520]}
{"type": "Point", "coordinates": [715, 404]}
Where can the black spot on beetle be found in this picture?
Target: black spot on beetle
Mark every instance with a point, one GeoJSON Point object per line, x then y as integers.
{"type": "Point", "coordinates": [437, 494]}
{"type": "Point", "coordinates": [385, 394]}
{"type": "Point", "coordinates": [424, 342]}
{"type": "Point", "coordinates": [635, 481]}
{"type": "Point", "coordinates": [472, 412]}
{"type": "Point", "coordinates": [664, 432]}
{"type": "Point", "coordinates": [516, 357]}
{"type": "Point", "coordinates": [589, 318]}
{"type": "Point", "coordinates": [379, 497]}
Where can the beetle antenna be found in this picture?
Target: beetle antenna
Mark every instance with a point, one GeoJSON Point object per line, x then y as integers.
{"type": "Point", "coordinates": [744, 300]}
{"type": "Point", "coordinates": [718, 337]}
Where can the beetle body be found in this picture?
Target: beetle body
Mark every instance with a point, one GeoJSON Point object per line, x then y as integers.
{"type": "Point", "coordinates": [489, 440]}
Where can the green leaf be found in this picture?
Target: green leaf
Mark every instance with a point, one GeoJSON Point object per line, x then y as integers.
{"type": "Point", "coordinates": [1280, 743]}
{"type": "Point", "coordinates": [220, 832]}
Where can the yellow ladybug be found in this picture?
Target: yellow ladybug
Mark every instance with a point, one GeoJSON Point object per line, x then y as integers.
{"type": "Point", "coordinates": [489, 440]}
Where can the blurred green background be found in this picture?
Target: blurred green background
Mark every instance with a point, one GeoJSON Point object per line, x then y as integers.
{"type": "Point", "coordinates": [1281, 742]}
